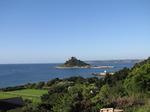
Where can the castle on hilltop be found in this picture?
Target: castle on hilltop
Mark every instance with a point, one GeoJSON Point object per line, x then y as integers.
{"type": "Point", "coordinates": [71, 58]}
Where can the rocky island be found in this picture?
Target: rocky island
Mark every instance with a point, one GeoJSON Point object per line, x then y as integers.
{"type": "Point", "coordinates": [73, 62]}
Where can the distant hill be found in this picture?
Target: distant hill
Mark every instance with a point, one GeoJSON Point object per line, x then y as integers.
{"type": "Point", "coordinates": [114, 61]}
{"type": "Point", "coordinates": [74, 62]}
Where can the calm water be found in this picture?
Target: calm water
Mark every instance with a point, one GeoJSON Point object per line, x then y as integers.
{"type": "Point", "coordinates": [19, 74]}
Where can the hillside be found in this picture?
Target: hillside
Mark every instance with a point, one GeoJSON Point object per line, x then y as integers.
{"type": "Point", "coordinates": [115, 61]}
{"type": "Point", "coordinates": [138, 79]}
{"type": "Point", "coordinates": [127, 89]}
{"type": "Point", "coordinates": [74, 62]}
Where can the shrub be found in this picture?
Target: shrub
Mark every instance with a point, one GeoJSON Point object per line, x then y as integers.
{"type": "Point", "coordinates": [40, 85]}
{"type": "Point", "coordinates": [30, 85]}
{"type": "Point", "coordinates": [125, 101]}
{"type": "Point", "coordinates": [51, 82]}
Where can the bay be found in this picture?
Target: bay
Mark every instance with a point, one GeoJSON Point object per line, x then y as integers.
{"type": "Point", "coordinates": [20, 74]}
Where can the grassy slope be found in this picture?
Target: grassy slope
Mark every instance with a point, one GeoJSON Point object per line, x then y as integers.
{"type": "Point", "coordinates": [24, 92]}
{"type": "Point", "coordinates": [30, 92]}
{"type": "Point", "coordinates": [3, 95]}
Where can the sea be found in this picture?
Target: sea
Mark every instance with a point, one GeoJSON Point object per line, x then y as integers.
{"type": "Point", "coordinates": [20, 74]}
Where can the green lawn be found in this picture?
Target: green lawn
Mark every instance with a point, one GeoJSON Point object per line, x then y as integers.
{"type": "Point", "coordinates": [32, 94]}
{"type": "Point", "coordinates": [3, 96]}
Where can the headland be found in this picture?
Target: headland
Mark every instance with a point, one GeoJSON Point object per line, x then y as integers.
{"type": "Point", "coordinates": [75, 63]}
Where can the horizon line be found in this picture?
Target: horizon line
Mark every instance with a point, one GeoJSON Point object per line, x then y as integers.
{"type": "Point", "coordinates": [63, 62]}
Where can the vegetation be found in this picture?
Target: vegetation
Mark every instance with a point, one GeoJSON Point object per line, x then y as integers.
{"type": "Point", "coordinates": [138, 79]}
{"type": "Point", "coordinates": [13, 88]}
{"type": "Point", "coordinates": [127, 89]}
{"type": "Point", "coordinates": [4, 95]}
{"type": "Point", "coordinates": [73, 62]}
{"type": "Point", "coordinates": [31, 94]}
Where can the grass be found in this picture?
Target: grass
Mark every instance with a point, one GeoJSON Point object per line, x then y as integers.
{"type": "Point", "coordinates": [4, 95]}
{"type": "Point", "coordinates": [32, 94]}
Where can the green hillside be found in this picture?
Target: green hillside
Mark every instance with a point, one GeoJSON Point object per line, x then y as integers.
{"type": "Point", "coordinates": [138, 79]}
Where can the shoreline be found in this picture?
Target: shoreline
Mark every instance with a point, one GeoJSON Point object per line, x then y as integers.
{"type": "Point", "coordinates": [103, 74]}
{"type": "Point", "coordinates": [89, 67]}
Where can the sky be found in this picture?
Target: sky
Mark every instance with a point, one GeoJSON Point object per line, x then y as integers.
{"type": "Point", "coordinates": [50, 31]}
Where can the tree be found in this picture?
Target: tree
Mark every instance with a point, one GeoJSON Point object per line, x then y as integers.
{"type": "Point", "coordinates": [51, 82]}
{"type": "Point", "coordinates": [30, 85]}
{"type": "Point", "coordinates": [75, 79]}
{"type": "Point", "coordinates": [40, 85]}
{"type": "Point", "coordinates": [104, 92]}
{"type": "Point", "coordinates": [139, 79]}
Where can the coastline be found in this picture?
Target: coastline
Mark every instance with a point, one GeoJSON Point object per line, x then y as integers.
{"type": "Point", "coordinates": [31, 69]}
{"type": "Point", "coordinates": [103, 74]}
{"type": "Point", "coordinates": [88, 67]}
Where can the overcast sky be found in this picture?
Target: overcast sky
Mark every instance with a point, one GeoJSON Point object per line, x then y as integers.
{"type": "Point", "coordinates": [49, 31]}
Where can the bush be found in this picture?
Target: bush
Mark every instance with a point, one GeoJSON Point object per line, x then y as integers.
{"type": "Point", "coordinates": [75, 79]}
{"type": "Point", "coordinates": [125, 102]}
{"type": "Point", "coordinates": [40, 85]}
{"type": "Point", "coordinates": [13, 88]}
{"type": "Point", "coordinates": [30, 85]}
{"type": "Point", "coordinates": [51, 82]}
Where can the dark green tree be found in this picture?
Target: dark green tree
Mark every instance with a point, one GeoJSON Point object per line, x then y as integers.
{"type": "Point", "coordinates": [138, 79]}
{"type": "Point", "coordinates": [51, 82]}
{"type": "Point", "coordinates": [40, 85]}
{"type": "Point", "coordinates": [30, 85]}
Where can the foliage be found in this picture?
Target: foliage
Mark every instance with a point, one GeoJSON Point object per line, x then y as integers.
{"type": "Point", "coordinates": [128, 89]}
{"type": "Point", "coordinates": [104, 92]}
{"type": "Point", "coordinates": [118, 76]}
{"type": "Point", "coordinates": [124, 102]}
{"type": "Point", "coordinates": [99, 83]}
{"type": "Point", "coordinates": [40, 85]}
{"type": "Point", "coordinates": [51, 82]}
{"type": "Point", "coordinates": [91, 80]}
{"type": "Point", "coordinates": [117, 90]}
{"type": "Point", "coordinates": [30, 85]}
{"type": "Point", "coordinates": [12, 88]}
{"type": "Point", "coordinates": [138, 79]}
{"type": "Point", "coordinates": [75, 79]}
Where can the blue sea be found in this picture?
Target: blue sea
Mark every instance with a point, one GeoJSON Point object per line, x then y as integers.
{"type": "Point", "coordinates": [20, 74]}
